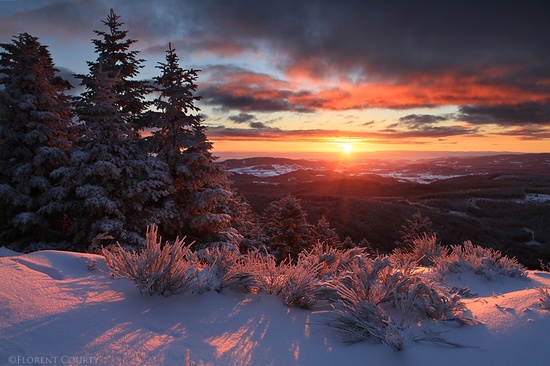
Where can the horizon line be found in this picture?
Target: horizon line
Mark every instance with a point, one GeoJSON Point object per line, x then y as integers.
{"type": "Point", "coordinates": [380, 154]}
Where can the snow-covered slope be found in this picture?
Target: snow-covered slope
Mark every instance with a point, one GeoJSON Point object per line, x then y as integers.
{"type": "Point", "coordinates": [63, 308]}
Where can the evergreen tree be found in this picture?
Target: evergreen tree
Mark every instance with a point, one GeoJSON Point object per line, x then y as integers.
{"type": "Point", "coordinates": [113, 185]}
{"type": "Point", "coordinates": [415, 228]}
{"type": "Point", "coordinates": [35, 135]}
{"type": "Point", "coordinates": [201, 196]}
{"type": "Point", "coordinates": [116, 60]}
{"type": "Point", "coordinates": [326, 234]}
{"type": "Point", "coordinates": [348, 243]}
{"type": "Point", "coordinates": [286, 227]}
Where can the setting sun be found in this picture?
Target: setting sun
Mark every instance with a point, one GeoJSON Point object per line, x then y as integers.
{"type": "Point", "coordinates": [347, 148]}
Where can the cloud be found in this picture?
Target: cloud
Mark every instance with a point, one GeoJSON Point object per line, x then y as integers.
{"type": "Point", "coordinates": [235, 88]}
{"type": "Point", "coordinates": [392, 43]}
{"type": "Point", "coordinates": [257, 125]}
{"type": "Point", "coordinates": [416, 121]}
{"type": "Point", "coordinates": [528, 113]}
{"type": "Point", "coordinates": [264, 133]}
{"type": "Point", "coordinates": [242, 118]}
{"type": "Point", "coordinates": [67, 20]}
{"type": "Point", "coordinates": [489, 58]}
{"type": "Point", "coordinates": [69, 76]}
{"type": "Point", "coordinates": [528, 133]}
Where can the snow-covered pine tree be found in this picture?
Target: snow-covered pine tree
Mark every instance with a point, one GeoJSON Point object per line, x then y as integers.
{"type": "Point", "coordinates": [327, 235]}
{"type": "Point", "coordinates": [200, 200]}
{"type": "Point", "coordinates": [117, 60]}
{"type": "Point", "coordinates": [286, 227]}
{"type": "Point", "coordinates": [113, 185]}
{"type": "Point", "coordinates": [35, 136]}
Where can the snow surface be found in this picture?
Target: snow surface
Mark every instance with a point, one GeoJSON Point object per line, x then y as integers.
{"type": "Point", "coordinates": [265, 171]}
{"type": "Point", "coordinates": [421, 178]}
{"type": "Point", "coordinates": [63, 308]}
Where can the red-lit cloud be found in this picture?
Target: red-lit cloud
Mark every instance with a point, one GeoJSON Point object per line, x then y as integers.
{"type": "Point", "coordinates": [487, 59]}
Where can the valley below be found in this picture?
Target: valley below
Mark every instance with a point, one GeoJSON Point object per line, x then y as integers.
{"type": "Point", "coordinates": [499, 201]}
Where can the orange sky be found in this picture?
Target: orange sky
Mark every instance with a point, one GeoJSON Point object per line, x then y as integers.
{"type": "Point", "coordinates": [335, 148]}
{"type": "Point", "coordinates": [291, 77]}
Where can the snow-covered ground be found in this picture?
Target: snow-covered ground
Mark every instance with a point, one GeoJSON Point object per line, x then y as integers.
{"type": "Point", "coordinates": [272, 170]}
{"type": "Point", "coordinates": [422, 178]}
{"type": "Point", "coordinates": [535, 198]}
{"type": "Point", "coordinates": [63, 308]}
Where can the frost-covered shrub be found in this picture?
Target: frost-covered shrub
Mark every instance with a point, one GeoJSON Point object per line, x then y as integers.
{"type": "Point", "coordinates": [357, 297]}
{"type": "Point", "coordinates": [369, 279]}
{"type": "Point", "coordinates": [544, 266]}
{"type": "Point", "coordinates": [487, 262]}
{"type": "Point", "coordinates": [438, 303]}
{"type": "Point", "coordinates": [361, 296]}
{"type": "Point", "coordinates": [157, 269]}
{"type": "Point", "coordinates": [228, 269]}
{"type": "Point", "coordinates": [266, 271]}
{"type": "Point", "coordinates": [358, 319]}
{"type": "Point", "coordinates": [299, 284]}
{"type": "Point", "coordinates": [426, 248]}
{"type": "Point", "coordinates": [296, 284]}
{"type": "Point", "coordinates": [332, 261]}
{"type": "Point", "coordinates": [544, 298]}
{"type": "Point", "coordinates": [423, 250]}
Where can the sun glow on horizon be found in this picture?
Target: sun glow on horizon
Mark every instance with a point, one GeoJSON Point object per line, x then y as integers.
{"type": "Point", "coordinates": [347, 148]}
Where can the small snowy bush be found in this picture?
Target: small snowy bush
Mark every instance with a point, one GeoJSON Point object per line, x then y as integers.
{"type": "Point", "coordinates": [369, 279]}
{"type": "Point", "coordinates": [332, 260]}
{"type": "Point", "coordinates": [156, 269]}
{"type": "Point", "coordinates": [229, 269]}
{"type": "Point", "coordinates": [361, 297]}
{"type": "Point", "coordinates": [296, 284]}
{"type": "Point", "coordinates": [299, 284]}
{"type": "Point", "coordinates": [266, 271]}
{"type": "Point", "coordinates": [426, 248]}
{"type": "Point", "coordinates": [423, 250]}
{"type": "Point", "coordinates": [483, 261]}
{"type": "Point", "coordinates": [544, 298]}
{"type": "Point", "coordinates": [362, 320]}
{"type": "Point", "coordinates": [438, 303]}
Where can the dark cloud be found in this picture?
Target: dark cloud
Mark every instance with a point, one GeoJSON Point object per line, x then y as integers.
{"type": "Point", "coordinates": [416, 121]}
{"type": "Point", "coordinates": [272, 133]}
{"type": "Point", "coordinates": [67, 20]}
{"type": "Point", "coordinates": [507, 115]}
{"type": "Point", "coordinates": [392, 40]}
{"type": "Point", "coordinates": [528, 133]}
{"type": "Point", "coordinates": [257, 125]}
{"type": "Point", "coordinates": [235, 88]}
{"type": "Point", "coordinates": [432, 132]}
{"type": "Point", "coordinates": [362, 40]}
{"type": "Point", "coordinates": [489, 57]}
{"type": "Point", "coordinates": [242, 118]}
{"type": "Point", "coordinates": [228, 100]}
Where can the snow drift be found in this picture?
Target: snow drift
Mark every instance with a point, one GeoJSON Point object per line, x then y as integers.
{"type": "Point", "coordinates": [64, 308]}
